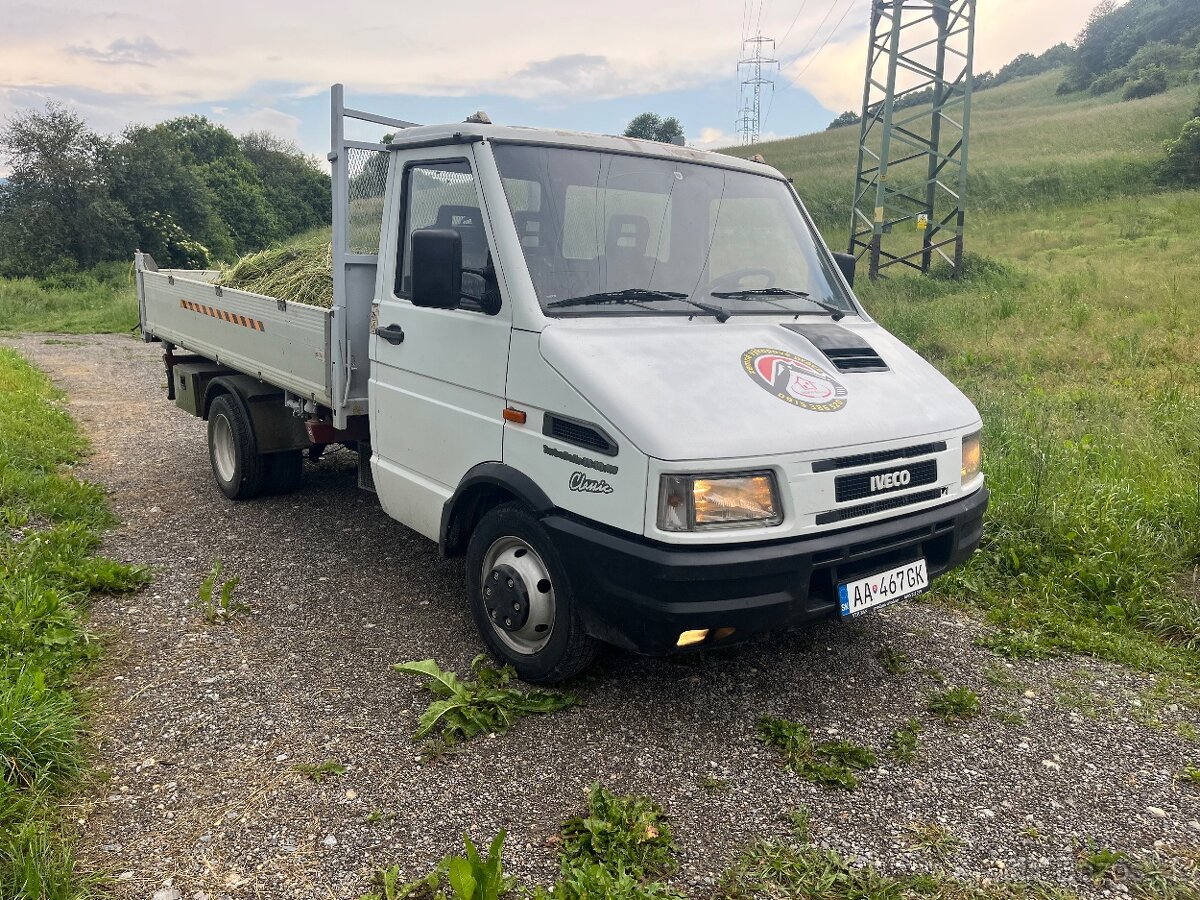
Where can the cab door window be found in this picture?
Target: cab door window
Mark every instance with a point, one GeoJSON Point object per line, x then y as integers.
{"type": "Point", "coordinates": [445, 195]}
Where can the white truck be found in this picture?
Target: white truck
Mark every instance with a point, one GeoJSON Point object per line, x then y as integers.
{"type": "Point", "coordinates": [627, 380]}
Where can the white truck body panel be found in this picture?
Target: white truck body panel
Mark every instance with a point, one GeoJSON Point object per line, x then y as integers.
{"type": "Point", "coordinates": [284, 344]}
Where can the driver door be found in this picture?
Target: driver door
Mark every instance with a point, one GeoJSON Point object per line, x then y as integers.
{"type": "Point", "coordinates": [438, 375]}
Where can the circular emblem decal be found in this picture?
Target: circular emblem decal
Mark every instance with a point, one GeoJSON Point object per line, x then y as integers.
{"type": "Point", "coordinates": [794, 379]}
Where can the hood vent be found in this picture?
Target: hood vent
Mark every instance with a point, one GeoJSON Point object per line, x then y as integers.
{"type": "Point", "coordinates": [846, 350]}
{"type": "Point", "coordinates": [579, 433]}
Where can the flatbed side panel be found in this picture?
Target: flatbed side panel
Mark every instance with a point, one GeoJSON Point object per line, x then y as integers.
{"type": "Point", "coordinates": [283, 344]}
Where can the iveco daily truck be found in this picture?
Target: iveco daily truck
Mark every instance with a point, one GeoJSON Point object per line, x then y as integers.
{"type": "Point", "coordinates": [627, 380]}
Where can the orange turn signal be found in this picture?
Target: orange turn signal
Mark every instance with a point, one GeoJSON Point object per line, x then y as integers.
{"type": "Point", "coordinates": [514, 415]}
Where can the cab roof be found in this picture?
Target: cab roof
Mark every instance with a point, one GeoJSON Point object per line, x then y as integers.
{"type": "Point", "coordinates": [471, 132]}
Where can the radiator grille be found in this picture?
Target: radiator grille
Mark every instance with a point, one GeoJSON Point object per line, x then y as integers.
{"type": "Point", "coordinates": [878, 506]}
{"type": "Point", "coordinates": [858, 485]}
{"type": "Point", "coordinates": [881, 456]}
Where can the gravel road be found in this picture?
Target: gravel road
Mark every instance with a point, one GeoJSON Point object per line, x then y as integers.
{"type": "Point", "coordinates": [198, 727]}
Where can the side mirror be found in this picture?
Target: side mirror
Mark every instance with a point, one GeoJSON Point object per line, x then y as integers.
{"type": "Point", "coordinates": [436, 268]}
{"type": "Point", "coordinates": [846, 262]}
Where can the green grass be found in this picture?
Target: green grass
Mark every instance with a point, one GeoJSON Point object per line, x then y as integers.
{"type": "Point", "coordinates": [1082, 353]}
{"type": "Point", "coordinates": [101, 300]}
{"type": "Point", "coordinates": [50, 525]}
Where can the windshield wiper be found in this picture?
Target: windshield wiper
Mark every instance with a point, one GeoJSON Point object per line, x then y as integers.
{"type": "Point", "coordinates": [639, 295]}
{"type": "Point", "coordinates": [781, 292]}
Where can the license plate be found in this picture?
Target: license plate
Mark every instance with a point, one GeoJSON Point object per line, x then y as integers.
{"type": "Point", "coordinates": [883, 588]}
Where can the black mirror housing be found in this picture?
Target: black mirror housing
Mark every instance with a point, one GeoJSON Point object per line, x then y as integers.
{"type": "Point", "coordinates": [436, 268]}
{"type": "Point", "coordinates": [846, 262]}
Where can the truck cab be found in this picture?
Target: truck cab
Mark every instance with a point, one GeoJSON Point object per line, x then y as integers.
{"type": "Point", "coordinates": [632, 386]}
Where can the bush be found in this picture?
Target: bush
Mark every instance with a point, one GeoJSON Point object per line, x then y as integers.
{"type": "Point", "coordinates": [1150, 80]}
{"type": "Point", "coordinates": [1108, 82]}
{"type": "Point", "coordinates": [1182, 163]}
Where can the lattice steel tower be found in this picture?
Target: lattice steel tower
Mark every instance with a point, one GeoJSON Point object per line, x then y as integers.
{"type": "Point", "coordinates": [754, 70]}
{"type": "Point", "coordinates": [911, 187]}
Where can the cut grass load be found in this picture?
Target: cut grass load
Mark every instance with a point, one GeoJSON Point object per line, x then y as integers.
{"type": "Point", "coordinates": [47, 571]}
{"type": "Point", "coordinates": [300, 273]}
{"type": "Point", "coordinates": [482, 705]}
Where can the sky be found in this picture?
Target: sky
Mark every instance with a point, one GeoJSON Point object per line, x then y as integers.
{"type": "Point", "coordinates": [553, 63]}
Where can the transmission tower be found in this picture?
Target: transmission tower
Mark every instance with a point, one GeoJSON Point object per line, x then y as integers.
{"type": "Point", "coordinates": [755, 69]}
{"type": "Point", "coordinates": [911, 187]}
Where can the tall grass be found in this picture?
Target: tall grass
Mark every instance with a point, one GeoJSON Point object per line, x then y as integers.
{"type": "Point", "coordinates": [100, 300]}
{"type": "Point", "coordinates": [50, 525]}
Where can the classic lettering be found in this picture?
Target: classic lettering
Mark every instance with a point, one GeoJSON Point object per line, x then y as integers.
{"type": "Point", "coordinates": [585, 485]}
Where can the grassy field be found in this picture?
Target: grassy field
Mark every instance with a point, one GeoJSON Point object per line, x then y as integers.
{"type": "Point", "coordinates": [49, 525]}
{"type": "Point", "coordinates": [95, 302]}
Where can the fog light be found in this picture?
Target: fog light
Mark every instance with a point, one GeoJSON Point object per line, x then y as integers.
{"type": "Point", "coordinates": [687, 638]}
{"type": "Point", "coordinates": [721, 633]}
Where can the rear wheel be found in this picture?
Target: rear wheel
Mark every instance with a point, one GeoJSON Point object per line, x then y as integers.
{"type": "Point", "coordinates": [522, 600]}
{"type": "Point", "coordinates": [232, 450]}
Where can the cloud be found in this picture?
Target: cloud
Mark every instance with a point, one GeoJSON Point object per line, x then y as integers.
{"type": "Point", "coordinates": [141, 51]}
{"type": "Point", "coordinates": [259, 118]}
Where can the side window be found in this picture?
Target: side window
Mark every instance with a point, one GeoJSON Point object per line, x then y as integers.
{"type": "Point", "coordinates": [445, 195]}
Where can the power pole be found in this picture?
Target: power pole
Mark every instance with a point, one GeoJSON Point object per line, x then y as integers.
{"type": "Point", "coordinates": [911, 187]}
{"type": "Point", "coordinates": [755, 71]}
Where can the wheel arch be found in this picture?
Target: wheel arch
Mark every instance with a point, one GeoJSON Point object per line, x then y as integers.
{"type": "Point", "coordinates": [275, 427]}
{"type": "Point", "coordinates": [484, 487]}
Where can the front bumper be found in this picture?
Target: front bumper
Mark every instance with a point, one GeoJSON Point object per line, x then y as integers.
{"type": "Point", "coordinates": [640, 595]}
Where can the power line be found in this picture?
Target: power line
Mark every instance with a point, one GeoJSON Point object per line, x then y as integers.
{"type": "Point", "coordinates": [828, 13]}
{"type": "Point", "coordinates": [828, 38]}
{"type": "Point", "coordinates": [795, 19]}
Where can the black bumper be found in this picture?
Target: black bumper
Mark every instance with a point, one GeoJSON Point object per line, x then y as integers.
{"type": "Point", "coordinates": [640, 595]}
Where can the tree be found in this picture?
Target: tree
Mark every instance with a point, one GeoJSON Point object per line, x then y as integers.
{"type": "Point", "coordinates": [296, 187]}
{"type": "Point", "coordinates": [849, 117]}
{"type": "Point", "coordinates": [56, 210]}
{"type": "Point", "coordinates": [652, 127]}
{"type": "Point", "coordinates": [169, 201]}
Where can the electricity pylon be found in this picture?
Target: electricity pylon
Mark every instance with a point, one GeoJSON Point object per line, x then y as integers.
{"type": "Point", "coordinates": [758, 68]}
{"type": "Point", "coordinates": [911, 187]}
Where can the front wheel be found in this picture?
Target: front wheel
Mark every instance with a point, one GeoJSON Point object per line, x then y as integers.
{"type": "Point", "coordinates": [522, 600]}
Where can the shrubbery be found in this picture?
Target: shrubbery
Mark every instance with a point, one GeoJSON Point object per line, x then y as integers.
{"type": "Point", "coordinates": [1182, 163]}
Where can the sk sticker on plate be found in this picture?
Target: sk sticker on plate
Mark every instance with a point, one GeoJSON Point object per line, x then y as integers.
{"type": "Point", "coordinates": [794, 379]}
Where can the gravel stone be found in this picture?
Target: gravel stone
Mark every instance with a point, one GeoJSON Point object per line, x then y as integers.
{"type": "Point", "coordinates": [338, 592]}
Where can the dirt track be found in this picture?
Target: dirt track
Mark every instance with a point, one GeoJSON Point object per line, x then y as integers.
{"type": "Point", "coordinates": [198, 727]}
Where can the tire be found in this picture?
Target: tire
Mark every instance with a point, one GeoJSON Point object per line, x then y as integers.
{"type": "Point", "coordinates": [283, 472]}
{"type": "Point", "coordinates": [511, 556]}
{"type": "Point", "coordinates": [233, 450]}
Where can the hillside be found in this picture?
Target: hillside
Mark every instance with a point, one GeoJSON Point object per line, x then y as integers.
{"type": "Point", "coordinates": [1029, 148]}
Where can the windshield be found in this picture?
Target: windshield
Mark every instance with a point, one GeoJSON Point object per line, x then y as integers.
{"type": "Point", "coordinates": [615, 234]}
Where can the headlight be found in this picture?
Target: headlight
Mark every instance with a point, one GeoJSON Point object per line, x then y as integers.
{"type": "Point", "coordinates": [688, 502]}
{"type": "Point", "coordinates": [972, 457]}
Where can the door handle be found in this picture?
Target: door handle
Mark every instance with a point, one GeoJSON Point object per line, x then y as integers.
{"type": "Point", "coordinates": [393, 334]}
